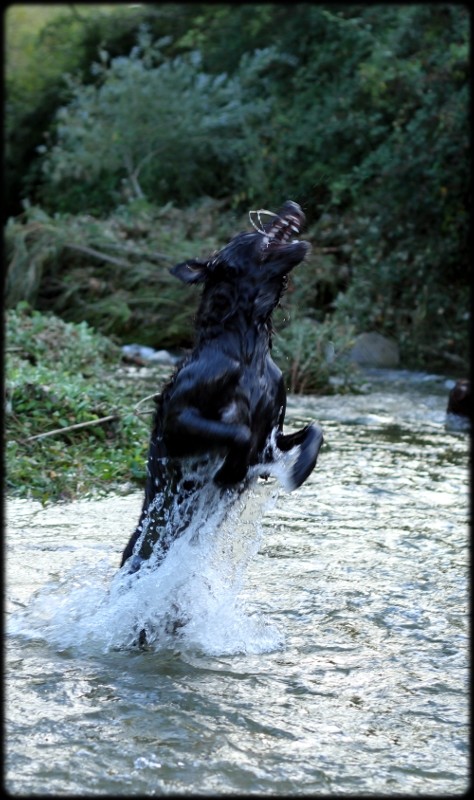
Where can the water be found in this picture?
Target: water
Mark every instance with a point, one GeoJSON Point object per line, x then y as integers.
{"type": "Point", "coordinates": [326, 648]}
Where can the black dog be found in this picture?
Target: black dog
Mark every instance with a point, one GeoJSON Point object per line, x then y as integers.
{"type": "Point", "coordinates": [220, 418]}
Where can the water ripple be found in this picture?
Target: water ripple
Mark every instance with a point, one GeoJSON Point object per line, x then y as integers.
{"type": "Point", "coordinates": [337, 662]}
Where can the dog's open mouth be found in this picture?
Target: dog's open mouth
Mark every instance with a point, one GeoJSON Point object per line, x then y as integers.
{"type": "Point", "coordinates": [283, 226]}
{"type": "Point", "coordinates": [283, 229]}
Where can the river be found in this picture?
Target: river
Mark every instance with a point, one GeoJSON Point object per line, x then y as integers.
{"type": "Point", "coordinates": [327, 648]}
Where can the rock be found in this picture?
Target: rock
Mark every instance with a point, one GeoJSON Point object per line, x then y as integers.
{"type": "Point", "coordinates": [139, 354]}
{"type": "Point", "coordinates": [163, 357]}
{"type": "Point", "coordinates": [137, 351]}
{"type": "Point", "coordinates": [375, 350]}
{"type": "Point", "coordinates": [460, 399]}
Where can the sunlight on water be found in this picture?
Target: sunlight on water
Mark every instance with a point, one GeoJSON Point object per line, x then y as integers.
{"type": "Point", "coordinates": [325, 644]}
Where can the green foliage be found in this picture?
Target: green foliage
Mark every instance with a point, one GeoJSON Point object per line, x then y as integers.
{"type": "Point", "coordinates": [115, 272]}
{"type": "Point", "coordinates": [58, 375]}
{"type": "Point", "coordinates": [358, 112]}
{"type": "Point", "coordinates": [42, 43]}
{"type": "Point", "coordinates": [313, 356]}
{"type": "Point", "coordinates": [61, 374]}
{"type": "Point", "coordinates": [410, 259]}
{"type": "Point", "coordinates": [50, 342]}
{"type": "Point", "coordinates": [392, 123]}
{"type": "Point", "coordinates": [133, 125]}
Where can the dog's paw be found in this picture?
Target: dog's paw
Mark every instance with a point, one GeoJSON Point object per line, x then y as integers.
{"type": "Point", "coordinates": [300, 452]}
{"type": "Point", "coordinates": [307, 457]}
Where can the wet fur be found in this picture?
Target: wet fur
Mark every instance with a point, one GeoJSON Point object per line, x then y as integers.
{"type": "Point", "coordinates": [222, 413]}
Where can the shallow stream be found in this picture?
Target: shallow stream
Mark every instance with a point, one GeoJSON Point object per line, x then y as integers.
{"type": "Point", "coordinates": [327, 647]}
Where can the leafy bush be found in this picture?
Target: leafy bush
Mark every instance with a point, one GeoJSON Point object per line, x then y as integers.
{"type": "Point", "coordinates": [132, 128]}
{"type": "Point", "coordinates": [114, 273]}
{"type": "Point", "coordinates": [46, 340]}
{"type": "Point", "coordinates": [313, 356]}
{"type": "Point", "coordinates": [392, 124]}
{"type": "Point", "coordinates": [59, 375]}
{"type": "Point", "coordinates": [360, 113]}
{"type": "Point", "coordinates": [42, 44]}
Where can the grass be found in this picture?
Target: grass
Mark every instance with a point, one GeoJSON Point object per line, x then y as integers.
{"type": "Point", "coordinates": [60, 374]}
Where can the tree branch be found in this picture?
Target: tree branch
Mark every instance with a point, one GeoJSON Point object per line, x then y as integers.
{"type": "Point", "coordinates": [138, 253]}
{"type": "Point", "coordinates": [89, 251]}
{"type": "Point", "coordinates": [78, 425]}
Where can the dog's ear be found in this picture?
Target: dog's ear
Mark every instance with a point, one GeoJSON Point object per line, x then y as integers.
{"type": "Point", "coordinates": [192, 271]}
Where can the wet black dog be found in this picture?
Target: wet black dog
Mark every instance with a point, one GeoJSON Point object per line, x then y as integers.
{"type": "Point", "coordinates": [220, 418]}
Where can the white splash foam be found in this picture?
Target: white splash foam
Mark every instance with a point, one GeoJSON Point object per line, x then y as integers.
{"type": "Point", "coordinates": [197, 586]}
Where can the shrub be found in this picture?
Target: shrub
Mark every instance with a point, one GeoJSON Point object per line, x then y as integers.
{"type": "Point", "coordinates": [129, 131]}
{"type": "Point", "coordinates": [114, 273]}
{"type": "Point", "coordinates": [58, 375]}
{"type": "Point", "coordinates": [313, 356]}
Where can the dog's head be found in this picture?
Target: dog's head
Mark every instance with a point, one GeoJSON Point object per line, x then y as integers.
{"type": "Point", "coordinates": [250, 273]}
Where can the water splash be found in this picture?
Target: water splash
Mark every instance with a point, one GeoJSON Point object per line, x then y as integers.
{"type": "Point", "coordinates": [189, 600]}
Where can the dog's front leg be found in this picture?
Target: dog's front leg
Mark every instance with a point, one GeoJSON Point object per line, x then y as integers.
{"type": "Point", "coordinates": [188, 427]}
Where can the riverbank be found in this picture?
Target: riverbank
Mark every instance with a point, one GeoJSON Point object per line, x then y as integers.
{"type": "Point", "coordinates": [78, 407]}
{"type": "Point", "coordinates": [78, 415]}
{"type": "Point", "coordinates": [72, 424]}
